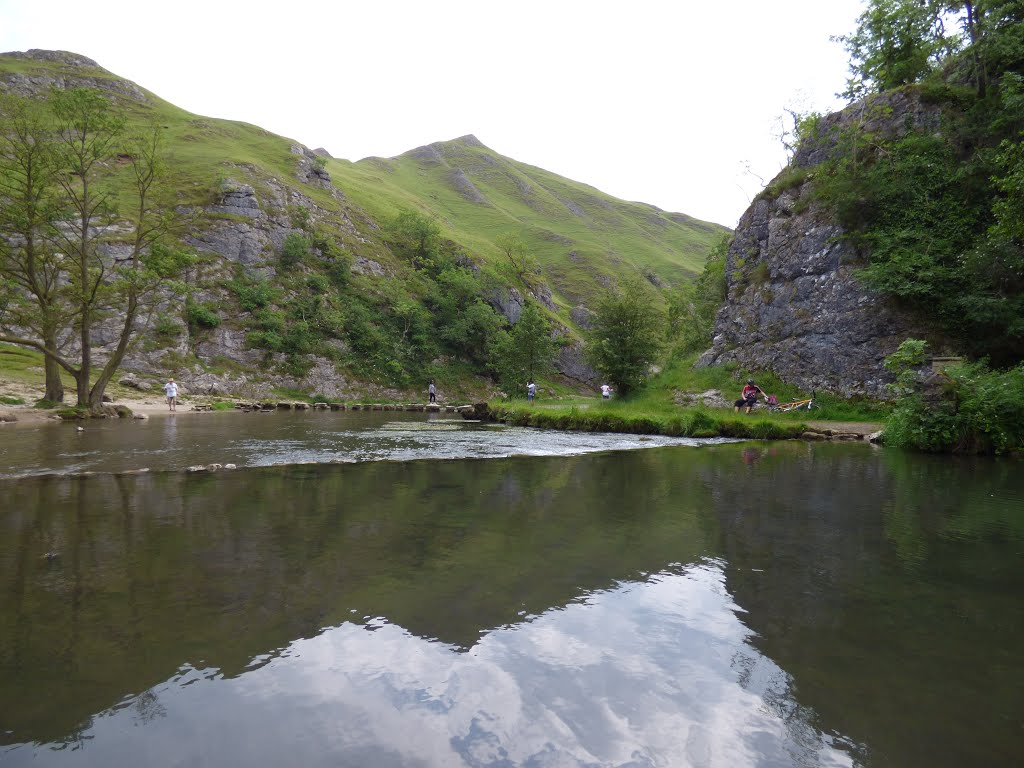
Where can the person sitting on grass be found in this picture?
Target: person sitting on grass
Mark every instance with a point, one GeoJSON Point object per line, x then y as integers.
{"type": "Point", "coordinates": [748, 398]}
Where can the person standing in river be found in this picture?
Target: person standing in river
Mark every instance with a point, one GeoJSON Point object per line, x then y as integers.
{"type": "Point", "coordinates": [171, 390]}
{"type": "Point", "coordinates": [432, 391]}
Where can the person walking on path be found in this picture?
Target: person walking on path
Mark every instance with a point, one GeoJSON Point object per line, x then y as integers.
{"type": "Point", "coordinates": [531, 391]}
{"type": "Point", "coordinates": [171, 390]}
{"type": "Point", "coordinates": [432, 391]}
{"type": "Point", "coordinates": [606, 392]}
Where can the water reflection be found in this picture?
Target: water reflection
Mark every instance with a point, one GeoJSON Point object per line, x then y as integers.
{"type": "Point", "coordinates": [773, 604]}
{"type": "Point", "coordinates": [645, 674]}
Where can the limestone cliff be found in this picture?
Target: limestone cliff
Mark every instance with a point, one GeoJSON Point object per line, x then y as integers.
{"type": "Point", "coordinates": [794, 304]}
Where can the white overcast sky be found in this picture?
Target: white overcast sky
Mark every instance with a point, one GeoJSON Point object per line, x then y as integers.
{"type": "Point", "coordinates": [671, 103]}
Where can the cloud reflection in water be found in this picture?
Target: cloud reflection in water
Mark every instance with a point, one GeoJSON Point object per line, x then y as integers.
{"type": "Point", "coordinates": [657, 673]}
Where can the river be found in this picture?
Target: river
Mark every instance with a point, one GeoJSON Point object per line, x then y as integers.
{"type": "Point", "coordinates": [388, 589]}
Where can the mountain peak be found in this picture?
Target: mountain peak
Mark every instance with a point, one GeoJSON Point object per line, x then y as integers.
{"type": "Point", "coordinates": [468, 140]}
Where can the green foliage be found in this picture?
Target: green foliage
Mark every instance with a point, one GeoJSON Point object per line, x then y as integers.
{"type": "Point", "coordinates": [166, 326]}
{"type": "Point", "coordinates": [59, 183]}
{"type": "Point", "coordinates": [897, 42]}
{"type": "Point", "coordinates": [693, 306]}
{"type": "Point", "coordinates": [464, 323]}
{"type": "Point", "coordinates": [334, 262]}
{"type": "Point", "coordinates": [525, 352]}
{"type": "Point", "coordinates": [905, 365]}
{"type": "Point", "coordinates": [252, 294]}
{"type": "Point", "coordinates": [294, 251]}
{"type": "Point", "coordinates": [416, 237]}
{"type": "Point", "coordinates": [937, 225]}
{"type": "Point", "coordinates": [518, 262]}
{"type": "Point", "coordinates": [626, 336]}
{"type": "Point", "coordinates": [11, 400]}
{"type": "Point", "coordinates": [201, 316]}
{"type": "Point", "coordinates": [979, 411]}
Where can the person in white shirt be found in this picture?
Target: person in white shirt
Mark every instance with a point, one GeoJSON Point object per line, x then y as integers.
{"type": "Point", "coordinates": [531, 390]}
{"type": "Point", "coordinates": [171, 390]}
{"type": "Point", "coordinates": [606, 392]}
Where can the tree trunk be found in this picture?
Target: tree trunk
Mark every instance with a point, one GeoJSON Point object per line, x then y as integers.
{"type": "Point", "coordinates": [54, 386]}
{"type": "Point", "coordinates": [127, 331]}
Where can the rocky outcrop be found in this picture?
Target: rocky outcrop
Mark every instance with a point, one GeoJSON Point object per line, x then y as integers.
{"type": "Point", "coordinates": [794, 304]}
{"type": "Point", "coordinates": [75, 72]}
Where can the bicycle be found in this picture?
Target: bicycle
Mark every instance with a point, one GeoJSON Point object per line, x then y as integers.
{"type": "Point", "coordinates": [792, 405]}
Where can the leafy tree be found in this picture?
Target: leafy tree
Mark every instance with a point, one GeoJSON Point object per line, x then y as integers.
{"type": "Point", "coordinates": [416, 237]}
{"type": "Point", "coordinates": [693, 306]}
{"type": "Point", "coordinates": [83, 224]}
{"type": "Point", "coordinates": [526, 351]}
{"type": "Point", "coordinates": [626, 336]}
{"type": "Point", "coordinates": [464, 323]}
{"type": "Point", "coordinates": [294, 251]}
{"type": "Point", "coordinates": [896, 42]}
{"type": "Point", "coordinates": [936, 215]}
{"type": "Point", "coordinates": [29, 264]}
{"type": "Point", "coordinates": [518, 260]}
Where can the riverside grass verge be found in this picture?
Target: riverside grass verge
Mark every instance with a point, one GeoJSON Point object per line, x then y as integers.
{"type": "Point", "coordinates": [694, 422]}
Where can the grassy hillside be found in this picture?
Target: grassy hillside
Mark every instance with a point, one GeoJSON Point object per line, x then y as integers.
{"type": "Point", "coordinates": [391, 322]}
{"type": "Point", "coordinates": [582, 237]}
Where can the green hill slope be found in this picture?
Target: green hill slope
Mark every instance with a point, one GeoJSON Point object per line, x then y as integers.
{"type": "Point", "coordinates": [388, 322]}
{"type": "Point", "coordinates": [581, 236]}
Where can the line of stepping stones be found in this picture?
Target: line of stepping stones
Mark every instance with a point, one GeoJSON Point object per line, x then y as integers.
{"type": "Point", "coordinates": [292, 406]}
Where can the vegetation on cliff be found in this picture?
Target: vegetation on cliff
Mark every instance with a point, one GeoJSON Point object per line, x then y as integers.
{"type": "Point", "coordinates": [936, 207]}
{"type": "Point", "coordinates": [965, 408]}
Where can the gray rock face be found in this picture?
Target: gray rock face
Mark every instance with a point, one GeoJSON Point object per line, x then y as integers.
{"type": "Point", "coordinates": [78, 72]}
{"type": "Point", "coordinates": [509, 302]}
{"type": "Point", "coordinates": [460, 181]}
{"type": "Point", "coordinates": [572, 364]}
{"type": "Point", "coordinates": [238, 200]}
{"type": "Point", "coordinates": [796, 308]}
{"type": "Point", "coordinates": [794, 305]}
{"type": "Point", "coordinates": [582, 316]}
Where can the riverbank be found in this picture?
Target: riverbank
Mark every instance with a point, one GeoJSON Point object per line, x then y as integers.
{"type": "Point", "coordinates": [13, 415]}
{"type": "Point", "coordinates": [690, 422]}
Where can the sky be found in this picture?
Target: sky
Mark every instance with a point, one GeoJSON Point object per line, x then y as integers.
{"type": "Point", "coordinates": [677, 104]}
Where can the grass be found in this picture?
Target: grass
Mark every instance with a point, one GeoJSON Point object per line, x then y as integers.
{"type": "Point", "coordinates": [631, 418]}
{"type": "Point", "coordinates": [553, 215]}
{"type": "Point", "coordinates": [654, 410]}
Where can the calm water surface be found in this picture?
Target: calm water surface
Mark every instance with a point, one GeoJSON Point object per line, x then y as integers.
{"type": "Point", "coordinates": [566, 602]}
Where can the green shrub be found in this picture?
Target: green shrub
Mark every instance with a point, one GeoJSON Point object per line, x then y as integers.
{"type": "Point", "coordinates": [294, 251]}
{"type": "Point", "coordinates": [974, 411]}
{"type": "Point", "coordinates": [201, 316]}
{"type": "Point", "coordinates": [252, 294]}
{"type": "Point", "coordinates": [166, 326]}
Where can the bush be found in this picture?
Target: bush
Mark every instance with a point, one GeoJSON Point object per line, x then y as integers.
{"type": "Point", "coordinates": [295, 251]}
{"type": "Point", "coordinates": [166, 326]}
{"type": "Point", "coordinates": [201, 316]}
{"type": "Point", "coordinates": [252, 295]}
{"type": "Point", "coordinates": [974, 411]}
